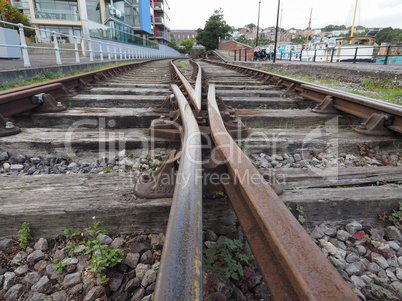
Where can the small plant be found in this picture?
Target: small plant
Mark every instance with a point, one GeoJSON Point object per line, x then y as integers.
{"type": "Point", "coordinates": [107, 170]}
{"type": "Point", "coordinates": [219, 195]}
{"type": "Point", "coordinates": [24, 233]}
{"type": "Point", "coordinates": [228, 258]}
{"type": "Point", "coordinates": [396, 217]}
{"type": "Point", "coordinates": [102, 258]}
{"type": "Point", "coordinates": [300, 217]}
{"type": "Point", "coordinates": [60, 266]}
{"type": "Point", "coordinates": [372, 244]}
{"type": "Point", "coordinates": [71, 246]}
{"type": "Point", "coordinates": [72, 232]}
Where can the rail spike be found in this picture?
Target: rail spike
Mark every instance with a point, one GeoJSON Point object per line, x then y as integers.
{"type": "Point", "coordinates": [7, 128]}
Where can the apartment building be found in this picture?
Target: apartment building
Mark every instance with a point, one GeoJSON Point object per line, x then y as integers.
{"type": "Point", "coordinates": [126, 21]}
{"type": "Point", "coordinates": [160, 21]}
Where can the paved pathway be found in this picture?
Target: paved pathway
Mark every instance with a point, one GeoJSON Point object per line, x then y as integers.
{"type": "Point", "coordinates": [44, 61]}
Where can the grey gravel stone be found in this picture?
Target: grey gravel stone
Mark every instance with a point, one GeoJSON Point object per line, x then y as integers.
{"type": "Point", "coordinates": [132, 259]}
{"type": "Point", "coordinates": [21, 270]}
{"type": "Point", "coordinates": [35, 256]}
{"type": "Point", "coordinates": [41, 245]}
{"type": "Point", "coordinates": [352, 257]}
{"type": "Point", "coordinates": [394, 245]}
{"type": "Point", "coordinates": [362, 250]}
{"type": "Point", "coordinates": [357, 281]}
{"type": "Point", "coordinates": [374, 268]}
{"type": "Point", "coordinates": [141, 269]}
{"type": "Point", "coordinates": [116, 243]}
{"type": "Point", "coordinates": [19, 257]}
{"type": "Point", "coordinates": [70, 261]}
{"type": "Point", "coordinates": [35, 296]}
{"type": "Point", "coordinates": [115, 282]}
{"type": "Point", "coordinates": [42, 285]}
{"type": "Point", "coordinates": [393, 261]}
{"type": "Point", "coordinates": [391, 275]}
{"type": "Point", "coordinates": [35, 160]}
{"type": "Point", "coordinates": [31, 278]}
{"type": "Point", "coordinates": [146, 257]}
{"type": "Point", "coordinates": [342, 235]}
{"type": "Point", "coordinates": [211, 236]}
{"type": "Point", "coordinates": [380, 260]}
{"type": "Point", "coordinates": [353, 227]}
{"type": "Point", "coordinates": [393, 233]}
{"type": "Point", "coordinates": [138, 294]}
{"type": "Point", "coordinates": [105, 240]}
{"type": "Point", "coordinates": [132, 285]}
{"type": "Point", "coordinates": [14, 292]}
{"type": "Point", "coordinates": [9, 279]}
{"type": "Point", "coordinates": [72, 279]}
{"type": "Point", "coordinates": [354, 268]}
{"type": "Point", "coordinates": [317, 233]}
{"type": "Point", "coordinates": [59, 296]}
{"type": "Point", "coordinates": [5, 243]}
{"type": "Point", "coordinates": [149, 277]}
{"type": "Point", "coordinates": [94, 293]}
{"type": "Point", "coordinates": [398, 273]}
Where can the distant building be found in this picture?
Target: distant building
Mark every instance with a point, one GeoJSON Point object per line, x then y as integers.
{"type": "Point", "coordinates": [184, 35]}
{"type": "Point", "coordinates": [337, 33]}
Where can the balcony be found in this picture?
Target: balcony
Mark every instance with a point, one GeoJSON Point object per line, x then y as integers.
{"type": "Point", "coordinates": [159, 6]}
{"type": "Point", "coordinates": [113, 12]}
{"type": "Point", "coordinates": [17, 4]}
{"type": "Point", "coordinates": [60, 15]}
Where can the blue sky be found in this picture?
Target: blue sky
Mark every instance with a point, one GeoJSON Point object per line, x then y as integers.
{"type": "Point", "coordinates": [187, 14]}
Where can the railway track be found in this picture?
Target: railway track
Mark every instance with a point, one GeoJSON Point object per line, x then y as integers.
{"type": "Point", "coordinates": [283, 147]}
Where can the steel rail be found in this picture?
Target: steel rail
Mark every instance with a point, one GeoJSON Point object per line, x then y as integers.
{"type": "Point", "coordinates": [42, 96]}
{"type": "Point", "coordinates": [293, 267]}
{"type": "Point", "coordinates": [74, 80]}
{"type": "Point", "coordinates": [360, 106]}
{"type": "Point", "coordinates": [194, 94]}
{"type": "Point", "coordinates": [180, 273]}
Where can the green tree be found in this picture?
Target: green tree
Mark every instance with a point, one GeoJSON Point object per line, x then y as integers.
{"type": "Point", "coordinates": [188, 44]}
{"type": "Point", "coordinates": [172, 42]}
{"type": "Point", "coordinates": [214, 28]}
{"type": "Point", "coordinates": [250, 26]}
{"type": "Point", "coordinates": [12, 14]}
{"type": "Point", "coordinates": [389, 35]}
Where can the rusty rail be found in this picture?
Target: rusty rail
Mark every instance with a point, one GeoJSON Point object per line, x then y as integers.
{"type": "Point", "coordinates": [42, 97]}
{"type": "Point", "coordinates": [380, 118]}
{"type": "Point", "coordinates": [293, 267]}
{"type": "Point", "coordinates": [194, 93]}
{"type": "Point", "coordinates": [180, 273]}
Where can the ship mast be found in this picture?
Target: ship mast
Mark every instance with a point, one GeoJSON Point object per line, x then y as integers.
{"type": "Point", "coordinates": [280, 25]}
{"type": "Point", "coordinates": [309, 24]}
{"type": "Point", "coordinates": [353, 25]}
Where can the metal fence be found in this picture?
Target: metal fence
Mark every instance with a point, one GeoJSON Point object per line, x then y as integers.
{"type": "Point", "coordinates": [104, 49]}
{"type": "Point", "coordinates": [389, 54]}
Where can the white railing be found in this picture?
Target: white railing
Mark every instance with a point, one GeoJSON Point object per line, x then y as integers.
{"type": "Point", "coordinates": [113, 50]}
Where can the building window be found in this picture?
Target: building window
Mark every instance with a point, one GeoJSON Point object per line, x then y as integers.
{"type": "Point", "coordinates": [93, 10]}
{"type": "Point", "coordinates": [67, 31]}
{"type": "Point", "coordinates": [56, 10]}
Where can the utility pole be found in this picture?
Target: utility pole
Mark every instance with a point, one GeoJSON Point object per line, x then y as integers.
{"type": "Point", "coordinates": [258, 23]}
{"type": "Point", "coordinates": [276, 32]}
